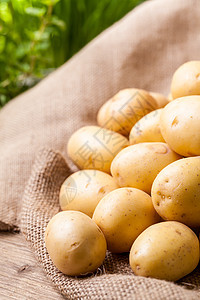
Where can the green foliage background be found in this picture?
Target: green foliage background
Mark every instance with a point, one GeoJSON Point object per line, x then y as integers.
{"type": "Point", "coordinates": [38, 36]}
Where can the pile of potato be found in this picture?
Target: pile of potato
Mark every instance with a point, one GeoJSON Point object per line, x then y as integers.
{"type": "Point", "coordinates": [138, 189]}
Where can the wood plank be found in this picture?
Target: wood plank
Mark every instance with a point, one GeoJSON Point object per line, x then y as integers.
{"type": "Point", "coordinates": [21, 277]}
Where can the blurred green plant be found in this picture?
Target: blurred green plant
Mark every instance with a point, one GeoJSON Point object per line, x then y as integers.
{"type": "Point", "coordinates": [38, 36]}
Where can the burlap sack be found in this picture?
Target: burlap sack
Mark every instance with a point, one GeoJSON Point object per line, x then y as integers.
{"type": "Point", "coordinates": [114, 280]}
{"type": "Point", "coordinates": [142, 50]}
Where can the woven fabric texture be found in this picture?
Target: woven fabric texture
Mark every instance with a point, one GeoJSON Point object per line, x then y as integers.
{"type": "Point", "coordinates": [142, 50]}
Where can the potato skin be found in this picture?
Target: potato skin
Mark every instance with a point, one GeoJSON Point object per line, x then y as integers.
{"type": "Point", "coordinates": [122, 215]}
{"type": "Point", "coordinates": [176, 191]}
{"type": "Point", "coordinates": [180, 125]}
{"type": "Point", "coordinates": [83, 190]}
{"type": "Point", "coordinates": [124, 109]}
{"type": "Point", "coordinates": [138, 165]}
{"type": "Point", "coordinates": [170, 98]}
{"type": "Point", "coordinates": [167, 250]}
{"type": "Point", "coordinates": [147, 129]}
{"type": "Point", "coordinates": [186, 80]}
{"type": "Point", "coordinates": [161, 100]}
{"type": "Point", "coordinates": [75, 243]}
{"type": "Point", "coordinates": [93, 147]}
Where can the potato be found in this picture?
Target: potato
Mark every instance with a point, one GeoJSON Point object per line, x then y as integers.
{"type": "Point", "coordinates": [186, 80]}
{"type": "Point", "coordinates": [75, 243]}
{"type": "Point", "coordinates": [138, 165]}
{"type": "Point", "coordinates": [170, 98]}
{"type": "Point", "coordinates": [123, 110]}
{"type": "Point", "coordinates": [122, 215]}
{"type": "Point", "coordinates": [176, 191]}
{"type": "Point", "coordinates": [180, 125]}
{"type": "Point", "coordinates": [147, 129]}
{"type": "Point", "coordinates": [167, 250]}
{"type": "Point", "coordinates": [83, 190]}
{"type": "Point", "coordinates": [161, 100]}
{"type": "Point", "coordinates": [93, 147]}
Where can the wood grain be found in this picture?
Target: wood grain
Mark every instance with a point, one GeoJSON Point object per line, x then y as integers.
{"type": "Point", "coordinates": [20, 275]}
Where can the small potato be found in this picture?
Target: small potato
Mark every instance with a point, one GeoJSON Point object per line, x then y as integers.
{"type": "Point", "coordinates": [138, 165]}
{"type": "Point", "coordinates": [167, 250]}
{"type": "Point", "coordinates": [161, 100]}
{"type": "Point", "coordinates": [176, 191]}
{"type": "Point", "coordinates": [122, 215]}
{"type": "Point", "coordinates": [83, 190]}
{"type": "Point", "coordinates": [186, 80]}
{"type": "Point", "coordinates": [147, 129]}
{"type": "Point", "coordinates": [93, 147]}
{"type": "Point", "coordinates": [170, 97]}
{"type": "Point", "coordinates": [180, 125]}
{"type": "Point", "coordinates": [123, 110]}
{"type": "Point", "coordinates": [75, 243]}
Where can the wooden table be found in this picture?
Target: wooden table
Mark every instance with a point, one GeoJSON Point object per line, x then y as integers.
{"type": "Point", "coordinates": [21, 277]}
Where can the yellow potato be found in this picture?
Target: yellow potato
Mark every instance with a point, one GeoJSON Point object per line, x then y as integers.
{"type": "Point", "coordinates": [93, 147]}
{"type": "Point", "coordinates": [176, 191]}
{"type": "Point", "coordinates": [123, 110]}
{"type": "Point", "coordinates": [167, 250]}
{"type": "Point", "coordinates": [75, 243]}
{"type": "Point", "coordinates": [161, 100]}
{"type": "Point", "coordinates": [122, 215]}
{"type": "Point", "coordinates": [186, 80]}
{"type": "Point", "coordinates": [170, 98]}
{"type": "Point", "coordinates": [147, 129]}
{"type": "Point", "coordinates": [138, 165]}
{"type": "Point", "coordinates": [83, 190]}
{"type": "Point", "coordinates": [180, 125]}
